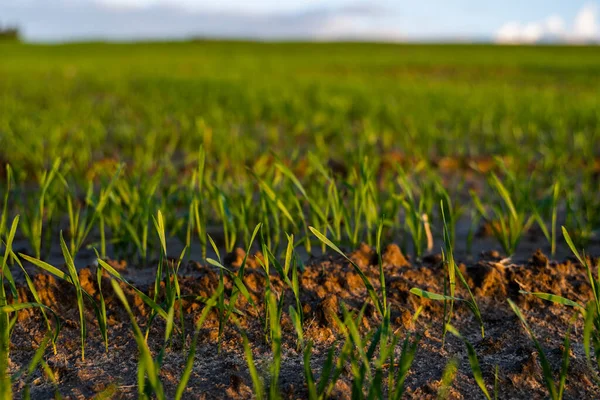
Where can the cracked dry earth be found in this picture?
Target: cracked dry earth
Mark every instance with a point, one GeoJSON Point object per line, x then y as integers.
{"type": "Point", "coordinates": [326, 283]}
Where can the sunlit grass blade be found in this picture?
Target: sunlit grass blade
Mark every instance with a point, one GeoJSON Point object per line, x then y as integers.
{"type": "Point", "coordinates": [583, 261]}
{"type": "Point", "coordinates": [102, 308]}
{"type": "Point", "coordinates": [7, 189]}
{"type": "Point", "coordinates": [473, 302]}
{"type": "Point", "coordinates": [409, 350]}
{"type": "Point", "coordinates": [33, 363]}
{"type": "Point", "coordinates": [5, 379]}
{"type": "Point", "coordinates": [78, 290]}
{"type": "Point", "coordinates": [236, 280]}
{"type": "Point", "coordinates": [564, 367]}
{"type": "Point", "coordinates": [572, 246]}
{"type": "Point", "coordinates": [159, 224]}
{"type": "Point", "coordinates": [368, 285]}
{"type": "Point", "coordinates": [35, 295]}
{"type": "Point", "coordinates": [268, 190]}
{"type": "Point", "coordinates": [448, 377]}
{"type": "Point", "coordinates": [146, 362]}
{"type": "Point", "coordinates": [297, 322]}
{"type": "Point", "coordinates": [5, 384]}
{"type": "Point", "coordinates": [505, 195]}
{"type": "Point", "coordinates": [554, 298]}
{"type": "Point", "coordinates": [46, 267]}
{"type": "Point", "coordinates": [473, 361]}
{"type": "Point", "coordinates": [240, 287]}
{"type": "Point", "coordinates": [433, 296]}
{"type": "Point", "coordinates": [308, 374]}
{"type": "Point", "coordinates": [546, 368]}
{"type": "Point", "coordinates": [185, 376]}
{"type": "Point", "coordinates": [149, 302]}
{"type": "Point", "coordinates": [256, 379]}
{"type": "Point", "coordinates": [275, 327]}
{"type": "Point", "coordinates": [589, 339]}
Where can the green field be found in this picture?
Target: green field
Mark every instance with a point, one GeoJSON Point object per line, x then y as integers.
{"type": "Point", "coordinates": [203, 147]}
{"type": "Point", "coordinates": [152, 106]}
{"type": "Point", "coordinates": [423, 100]}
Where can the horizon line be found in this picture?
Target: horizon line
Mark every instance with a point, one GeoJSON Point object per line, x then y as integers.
{"type": "Point", "coordinates": [434, 40]}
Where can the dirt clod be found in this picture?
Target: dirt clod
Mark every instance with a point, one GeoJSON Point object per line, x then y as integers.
{"type": "Point", "coordinates": [393, 256]}
{"type": "Point", "coordinates": [487, 280]}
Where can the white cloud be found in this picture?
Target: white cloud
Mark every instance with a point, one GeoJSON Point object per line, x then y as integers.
{"type": "Point", "coordinates": [358, 26]}
{"type": "Point", "coordinates": [125, 4]}
{"type": "Point", "coordinates": [515, 32]}
{"type": "Point", "coordinates": [509, 33]}
{"type": "Point", "coordinates": [532, 32]}
{"type": "Point", "coordinates": [586, 25]}
{"type": "Point", "coordinates": [555, 25]}
{"type": "Point", "coordinates": [585, 28]}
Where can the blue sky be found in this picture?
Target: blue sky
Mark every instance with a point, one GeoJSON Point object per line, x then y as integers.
{"type": "Point", "coordinates": [399, 20]}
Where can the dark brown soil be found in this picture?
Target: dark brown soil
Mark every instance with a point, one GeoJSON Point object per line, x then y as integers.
{"type": "Point", "coordinates": [326, 283]}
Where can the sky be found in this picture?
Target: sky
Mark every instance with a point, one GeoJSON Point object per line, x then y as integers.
{"type": "Point", "coordinates": [506, 21]}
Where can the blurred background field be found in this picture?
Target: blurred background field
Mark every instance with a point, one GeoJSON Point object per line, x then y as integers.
{"type": "Point", "coordinates": [438, 116]}
{"type": "Point", "coordinates": [94, 101]}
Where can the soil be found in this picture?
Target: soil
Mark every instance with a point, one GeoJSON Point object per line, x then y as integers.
{"type": "Point", "coordinates": [327, 282]}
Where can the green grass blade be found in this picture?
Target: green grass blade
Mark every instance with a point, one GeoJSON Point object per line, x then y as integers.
{"type": "Point", "coordinates": [46, 267]}
{"type": "Point", "coordinates": [256, 380]}
{"type": "Point", "coordinates": [572, 246]}
{"type": "Point", "coordinates": [564, 367]}
{"type": "Point", "coordinates": [546, 368]}
{"type": "Point", "coordinates": [288, 172]}
{"type": "Point", "coordinates": [151, 303]}
{"type": "Point", "coordinates": [409, 350]}
{"type": "Point", "coordinates": [591, 311]}
{"type": "Point", "coordinates": [8, 243]}
{"type": "Point", "coordinates": [78, 290]}
{"type": "Point", "coordinates": [554, 298]}
{"type": "Point", "coordinates": [236, 280]}
{"type": "Point", "coordinates": [215, 247]}
{"type": "Point", "coordinates": [185, 376]}
{"type": "Point", "coordinates": [159, 224]}
{"type": "Point", "coordinates": [448, 377]}
{"type": "Point", "coordinates": [308, 374]}
{"type": "Point", "coordinates": [433, 296]}
{"type": "Point", "coordinates": [473, 361]}
{"type": "Point", "coordinates": [4, 216]}
{"type": "Point", "coordinates": [102, 310]}
{"type": "Point", "coordinates": [505, 195]}
{"type": "Point", "coordinates": [35, 294]}
{"type": "Point", "coordinates": [368, 285]}
{"type": "Point", "coordinates": [296, 321]}
{"type": "Point", "coordinates": [146, 363]}
{"type": "Point", "coordinates": [5, 384]}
